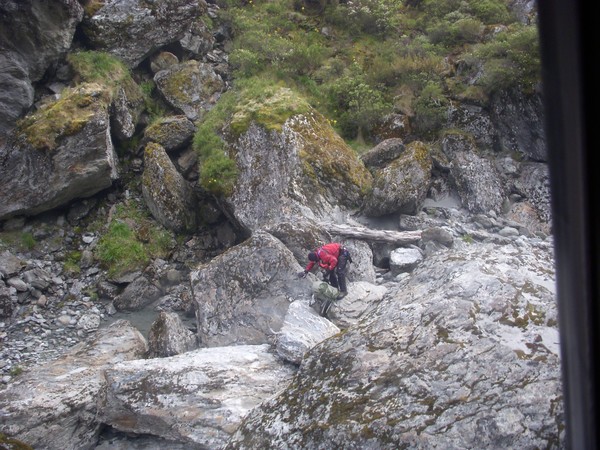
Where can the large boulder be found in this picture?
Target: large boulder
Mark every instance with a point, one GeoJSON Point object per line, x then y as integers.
{"type": "Point", "coordinates": [198, 398]}
{"type": "Point", "coordinates": [401, 186]}
{"type": "Point", "coordinates": [33, 35]}
{"type": "Point", "coordinates": [167, 194]}
{"type": "Point", "coordinates": [242, 296]}
{"type": "Point", "coordinates": [134, 29]}
{"type": "Point", "coordinates": [172, 132]}
{"type": "Point", "coordinates": [302, 329]}
{"type": "Point", "coordinates": [299, 169]}
{"type": "Point", "coordinates": [61, 153]}
{"type": "Point", "coordinates": [55, 406]}
{"type": "Point", "coordinates": [168, 336]}
{"type": "Point", "coordinates": [462, 354]}
{"type": "Point", "coordinates": [192, 88]}
{"type": "Point", "coordinates": [477, 181]}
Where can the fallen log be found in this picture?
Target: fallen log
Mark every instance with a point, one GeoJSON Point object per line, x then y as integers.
{"type": "Point", "coordinates": [369, 234]}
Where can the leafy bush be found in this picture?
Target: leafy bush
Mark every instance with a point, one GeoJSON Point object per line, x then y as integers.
{"type": "Point", "coordinates": [430, 110]}
{"type": "Point", "coordinates": [510, 60]}
{"type": "Point", "coordinates": [218, 172]}
{"type": "Point", "coordinates": [360, 103]}
{"type": "Point", "coordinates": [119, 250]}
{"type": "Point", "coordinates": [357, 59]}
{"type": "Point", "coordinates": [367, 16]}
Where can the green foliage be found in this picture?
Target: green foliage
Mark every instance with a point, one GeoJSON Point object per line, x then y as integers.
{"type": "Point", "coordinates": [356, 60]}
{"type": "Point", "coordinates": [152, 106]}
{"type": "Point", "coordinates": [98, 67]}
{"type": "Point", "coordinates": [16, 371]}
{"type": "Point", "coordinates": [465, 30]}
{"type": "Point", "coordinates": [361, 103]}
{"type": "Point", "coordinates": [366, 16]}
{"type": "Point", "coordinates": [510, 60]}
{"type": "Point", "coordinates": [131, 240]}
{"type": "Point", "coordinates": [430, 110]}
{"type": "Point", "coordinates": [218, 173]}
{"type": "Point", "coordinates": [27, 240]}
{"type": "Point", "coordinates": [119, 250]}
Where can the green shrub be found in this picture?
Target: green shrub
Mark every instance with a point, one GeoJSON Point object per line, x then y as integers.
{"type": "Point", "coordinates": [119, 250]}
{"type": "Point", "coordinates": [491, 11]}
{"type": "Point", "coordinates": [510, 60]}
{"type": "Point", "coordinates": [430, 110]}
{"type": "Point", "coordinates": [360, 104]}
{"type": "Point", "coordinates": [218, 173]}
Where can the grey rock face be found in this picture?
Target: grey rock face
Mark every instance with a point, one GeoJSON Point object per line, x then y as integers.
{"type": "Point", "coordinates": [191, 87]}
{"type": "Point", "coordinates": [475, 121]}
{"type": "Point", "coordinates": [302, 329]}
{"type": "Point", "coordinates": [198, 398]}
{"type": "Point", "coordinates": [16, 87]}
{"type": "Point", "coordinates": [134, 29]}
{"type": "Point", "coordinates": [76, 165]}
{"type": "Point", "coordinates": [172, 133]}
{"type": "Point", "coordinates": [125, 113]}
{"type": "Point", "coordinates": [56, 407]}
{"type": "Point", "coordinates": [168, 336]}
{"type": "Point", "coordinates": [383, 153]}
{"type": "Point", "coordinates": [401, 186]}
{"type": "Point", "coordinates": [478, 182]}
{"type": "Point", "coordinates": [404, 260]}
{"type": "Point", "coordinates": [243, 295]}
{"type": "Point", "coordinates": [139, 293]}
{"type": "Point", "coordinates": [33, 35]}
{"type": "Point", "coordinates": [519, 120]}
{"type": "Point", "coordinates": [167, 194]}
{"type": "Point", "coordinates": [461, 354]}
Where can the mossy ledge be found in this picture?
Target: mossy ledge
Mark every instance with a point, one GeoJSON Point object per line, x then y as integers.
{"type": "Point", "coordinates": [64, 117]}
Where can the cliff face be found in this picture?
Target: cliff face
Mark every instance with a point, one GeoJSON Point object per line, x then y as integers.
{"type": "Point", "coordinates": [448, 336]}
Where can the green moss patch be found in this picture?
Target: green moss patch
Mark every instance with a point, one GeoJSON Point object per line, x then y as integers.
{"type": "Point", "coordinates": [270, 110]}
{"type": "Point", "coordinates": [326, 155]}
{"type": "Point", "coordinates": [64, 117]}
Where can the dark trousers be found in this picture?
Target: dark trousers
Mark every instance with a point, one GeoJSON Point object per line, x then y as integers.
{"type": "Point", "coordinates": [337, 277]}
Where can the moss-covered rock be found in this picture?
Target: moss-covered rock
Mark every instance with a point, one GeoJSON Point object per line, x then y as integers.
{"type": "Point", "coordinates": [191, 87]}
{"type": "Point", "coordinates": [172, 133]}
{"type": "Point", "coordinates": [62, 152]}
{"type": "Point", "coordinates": [402, 185]}
{"type": "Point", "coordinates": [292, 166]}
{"type": "Point", "coordinates": [168, 196]}
{"type": "Point", "coordinates": [66, 116]}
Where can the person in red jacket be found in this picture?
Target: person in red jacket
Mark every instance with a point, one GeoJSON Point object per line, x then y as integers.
{"type": "Point", "coordinates": [333, 258]}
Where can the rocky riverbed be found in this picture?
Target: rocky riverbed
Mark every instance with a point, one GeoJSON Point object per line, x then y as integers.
{"type": "Point", "coordinates": [55, 309]}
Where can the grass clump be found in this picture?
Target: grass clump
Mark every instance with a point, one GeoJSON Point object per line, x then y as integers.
{"type": "Point", "coordinates": [131, 240]}
{"type": "Point", "coordinates": [72, 263]}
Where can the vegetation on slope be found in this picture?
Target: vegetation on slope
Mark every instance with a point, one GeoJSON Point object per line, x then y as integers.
{"type": "Point", "coordinates": [359, 60]}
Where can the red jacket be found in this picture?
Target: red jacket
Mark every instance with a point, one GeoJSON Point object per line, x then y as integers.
{"type": "Point", "coordinates": [328, 256]}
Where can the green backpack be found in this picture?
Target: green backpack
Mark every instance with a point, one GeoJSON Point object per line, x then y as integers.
{"type": "Point", "coordinates": [324, 291]}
